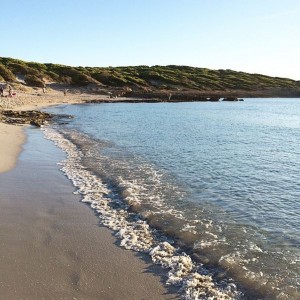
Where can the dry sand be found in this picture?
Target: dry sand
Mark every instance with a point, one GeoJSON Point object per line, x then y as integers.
{"type": "Point", "coordinates": [52, 246]}
{"type": "Point", "coordinates": [12, 137]}
{"type": "Point", "coordinates": [35, 98]}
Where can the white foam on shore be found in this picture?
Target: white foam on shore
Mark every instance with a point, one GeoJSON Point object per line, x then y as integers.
{"type": "Point", "coordinates": [136, 234]}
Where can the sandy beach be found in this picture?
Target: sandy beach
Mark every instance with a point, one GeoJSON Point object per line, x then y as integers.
{"type": "Point", "coordinates": [52, 246]}
{"type": "Point", "coordinates": [12, 137]}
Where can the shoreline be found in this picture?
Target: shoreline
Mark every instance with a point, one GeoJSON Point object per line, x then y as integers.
{"type": "Point", "coordinates": [19, 138]}
{"type": "Point", "coordinates": [82, 261]}
{"type": "Point", "coordinates": [13, 137]}
{"type": "Point", "coordinates": [54, 247]}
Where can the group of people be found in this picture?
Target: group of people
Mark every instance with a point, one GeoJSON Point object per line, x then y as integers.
{"type": "Point", "coordinates": [10, 91]}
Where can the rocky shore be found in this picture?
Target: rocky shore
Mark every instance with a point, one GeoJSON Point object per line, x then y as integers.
{"type": "Point", "coordinates": [32, 117]}
{"type": "Point", "coordinates": [23, 107]}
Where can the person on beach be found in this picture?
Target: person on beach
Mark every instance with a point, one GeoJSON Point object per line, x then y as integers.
{"type": "Point", "coordinates": [44, 89]}
{"type": "Point", "coordinates": [2, 91]}
{"type": "Point", "coordinates": [10, 93]}
{"type": "Point", "coordinates": [65, 92]}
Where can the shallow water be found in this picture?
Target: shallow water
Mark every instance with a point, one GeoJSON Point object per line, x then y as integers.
{"type": "Point", "coordinates": [219, 180]}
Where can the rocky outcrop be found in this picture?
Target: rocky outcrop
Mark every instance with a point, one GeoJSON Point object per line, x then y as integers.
{"type": "Point", "coordinates": [214, 99]}
{"type": "Point", "coordinates": [33, 117]}
{"type": "Point", "coordinates": [231, 99]}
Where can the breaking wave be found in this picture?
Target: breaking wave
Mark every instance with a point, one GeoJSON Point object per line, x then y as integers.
{"type": "Point", "coordinates": [194, 280]}
{"type": "Point", "coordinates": [147, 211]}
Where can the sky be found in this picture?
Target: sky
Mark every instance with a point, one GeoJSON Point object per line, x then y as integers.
{"type": "Point", "coordinates": [255, 36]}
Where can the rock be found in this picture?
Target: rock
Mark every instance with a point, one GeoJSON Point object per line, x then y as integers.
{"type": "Point", "coordinates": [33, 117]}
{"type": "Point", "coordinates": [214, 99]}
{"type": "Point", "coordinates": [230, 99]}
{"type": "Point", "coordinates": [36, 123]}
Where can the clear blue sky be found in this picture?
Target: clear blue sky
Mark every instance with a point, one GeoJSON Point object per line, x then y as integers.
{"type": "Point", "coordinates": [256, 36]}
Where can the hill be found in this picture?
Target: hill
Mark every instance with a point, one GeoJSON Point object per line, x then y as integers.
{"type": "Point", "coordinates": [155, 81]}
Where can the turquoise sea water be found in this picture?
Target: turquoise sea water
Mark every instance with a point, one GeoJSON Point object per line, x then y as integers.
{"type": "Point", "coordinates": [222, 180]}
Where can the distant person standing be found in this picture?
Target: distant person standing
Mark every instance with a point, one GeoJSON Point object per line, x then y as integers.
{"type": "Point", "coordinates": [65, 92]}
{"type": "Point", "coordinates": [2, 91]}
{"type": "Point", "coordinates": [10, 91]}
{"type": "Point", "coordinates": [44, 89]}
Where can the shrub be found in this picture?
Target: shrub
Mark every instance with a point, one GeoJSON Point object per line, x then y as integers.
{"type": "Point", "coordinates": [40, 67]}
{"type": "Point", "coordinates": [65, 79]}
{"type": "Point", "coordinates": [52, 76]}
{"type": "Point", "coordinates": [108, 78]}
{"type": "Point", "coordinates": [135, 80]}
{"type": "Point", "coordinates": [33, 80]}
{"type": "Point", "coordinates": [6, 73]}
{"type": "Point", "coordinates": [77, 77]}
{"type": "Point", "coordinates": [18, 68]}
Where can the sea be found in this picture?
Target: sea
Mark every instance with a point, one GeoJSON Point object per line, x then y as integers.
{"type": "Point", "coordinates": [210, 190]}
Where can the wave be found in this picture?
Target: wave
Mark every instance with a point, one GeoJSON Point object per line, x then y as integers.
{"type": "Point", "coordinates": [134, 233]}
{"type": "Point", "coordinates": [148, 212]}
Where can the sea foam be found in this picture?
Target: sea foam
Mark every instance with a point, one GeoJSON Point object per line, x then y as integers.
{"type": "Point", "coordinates": [135, 234]}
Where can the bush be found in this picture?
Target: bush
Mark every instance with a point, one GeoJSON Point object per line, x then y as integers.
{"type": "Point", "coordinates": [52, 76]}
{"type": "Point", "coordinates": [77, 77]}
{"type": "Point", "coordinates": [107, 78]}
{"type": "Point", "coordinates": [6, 73]}
{"type": "Point", "coordinates": [40, 67]}
{"type": "Point", "coordinates": [33, 80]}
{"type": "Point", "coordinates": [65, 79]}
{"type": "Point", "coordinates": [18, 68]}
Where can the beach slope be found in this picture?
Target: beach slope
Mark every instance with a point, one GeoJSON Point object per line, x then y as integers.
{"type": "Point", "coordinates": [12, 138]}
{"type": "Point", "coordinates": [52, 246]}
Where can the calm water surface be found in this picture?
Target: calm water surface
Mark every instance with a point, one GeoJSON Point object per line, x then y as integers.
{"type": "Point", "coordinates": [223, 179]}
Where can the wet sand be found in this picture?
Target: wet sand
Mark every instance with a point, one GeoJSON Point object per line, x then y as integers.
{"type": "Point", "coordinates": [12, 136]}
{"type": "Point", "coordinates": [52, 246]}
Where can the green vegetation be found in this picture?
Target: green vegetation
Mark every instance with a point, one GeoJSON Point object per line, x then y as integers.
{"type": "Point", "coordinates": [172, 77]}
{"type": "Point", "coordinates": [33, 80]}
{"type": "Point", "coordinates": [6, 73]}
